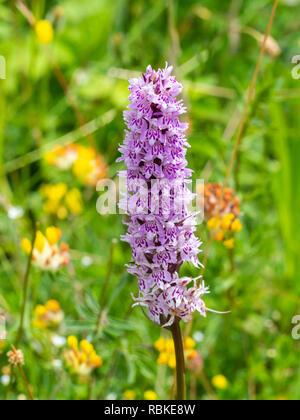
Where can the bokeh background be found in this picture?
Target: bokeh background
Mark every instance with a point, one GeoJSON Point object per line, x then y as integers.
{"type": "Point", "coordinates": [97, 46]}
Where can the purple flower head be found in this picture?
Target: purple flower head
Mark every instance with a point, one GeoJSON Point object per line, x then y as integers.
{"type": "Point", "coordinates": [161, 229]}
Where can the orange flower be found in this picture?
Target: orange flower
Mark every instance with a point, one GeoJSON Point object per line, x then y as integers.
{"type": "Point", "coordinates": [222, 210]}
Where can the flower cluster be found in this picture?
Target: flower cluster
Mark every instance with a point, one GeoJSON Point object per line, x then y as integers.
{"type": "Point", "coordinates": [166, 350]}
{"type": "Point", "coordinates": [222, 210]}
{"type": "Point", "coordinates": [81, 357]}
{"type": "Point", "coordinates": [63, 157]}
{"type": "Point", "coordinates": [60, 201]}
{"type": "Point", "coordinates": [87, 165]}
{"type": "Point", "coordinates": [48, 316]}
{"type": "Point", "coordinates": [16, 357]}
{"type": "Point", "coordinates": [47, 255]}
{"type": "Point", "coordinates": [161, 228]}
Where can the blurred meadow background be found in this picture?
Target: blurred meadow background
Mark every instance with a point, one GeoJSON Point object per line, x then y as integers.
{"type": "Point", "coordinates": [72, 89]}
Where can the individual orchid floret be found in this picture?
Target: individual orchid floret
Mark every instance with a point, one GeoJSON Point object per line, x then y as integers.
{"type": "Point", "coordinates": [47, 254]}
{"type": "Point", "coordinates": [161, 228]}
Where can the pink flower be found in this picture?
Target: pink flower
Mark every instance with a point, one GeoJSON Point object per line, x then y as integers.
{"type": "Point", "coordinates": [161, 230]}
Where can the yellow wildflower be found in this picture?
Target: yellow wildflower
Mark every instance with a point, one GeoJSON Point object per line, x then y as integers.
{"type": "Point", "coordinates": [219, 236]}
{"type": "Point", "coordinates": [163, 359]}
{"type": "Point", "coordinates": [190, 343]}
{"type": "Point", "coordinates": [44, 31]}
{"type": "Point", "coordinates": [59, 201]}
{"type": "Point", "coordinates": [39, 241]}
{"type": "Point", "coordinates": [236, 226]}
{"type": "Point", "coordinates": [150, 396]}
{"type": "Point", "coordinates": [160, 344]}
{"type": "Point", "coordinates": [169, 346]}
{"type": "Point", "coordinates": [72, 342]}
{"type": "Point", "coordinates": [73, 201]}
{"type": "Point", "coordinates": [87, 165]}
{"type": "Point", "coordinates": [52, 305]}
{"type": "Point", "coordinates": [213, 223]}
{"type": "Point", "coordinates": [229, 243]}
{"type": "Point", "coordinates": [86, 347]}
{"type": "Point", "coordinates": [53, 235]}
{"type": "Point", "coordinates": [62, 156]}
{"type": "Point", "coordinates": [95, 360]}
{"type": "Point", "coordinates": [220, 382]}
{"type": "Point", "coordinates": [167, 351]}
{"type": "Point", "coordinates": [50, 157]}
{"type": "Point", "coordinates": [129, 395]}
{"type": "Point", "coordinates": [46, 253]}
{"type": "Point", "coordinates": [48, 316]}
{"type": "Point", "coordinates": [26, 245]}
{"type": "Point", "coordinates": [81, 358]}
{"type": "Point", "coordinates": [40, 310]}
{"type": "Point", "coordinates": [62, 213]}
{"type": "Point", "coordinates": [172, 361]}
{"type": "Point", "coordinates": [227, 221]}
{"type": "Point", "coordinates": [55, 192]}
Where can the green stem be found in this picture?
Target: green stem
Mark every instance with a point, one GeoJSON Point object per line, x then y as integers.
{"type": "Point", "coordinates": [173, 34]}
{"type": "Point", "coordinates": [4, 187]}
{"type": "Point", "coordinates": [231, 260]}
{"type": "Point", "coordinates": [108, 275]}
{"type": "Point", "coordinates": [25, 290]}
{"type": "Point", "coordinates": [24, 299]}
{"type": "Point", "coordinates": [106, 284]}
{"type": "Point", "coordinates": [26, 383]}
{"type": "Point", "coordinates": [2, 119]}
{"type": "Point", "coordinates": [180, 362]}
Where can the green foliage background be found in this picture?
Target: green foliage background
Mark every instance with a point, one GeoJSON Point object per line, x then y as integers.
{"type": "Point", "coordinates": [97, 44]}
